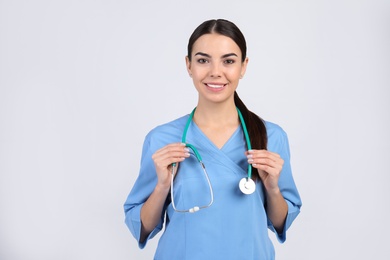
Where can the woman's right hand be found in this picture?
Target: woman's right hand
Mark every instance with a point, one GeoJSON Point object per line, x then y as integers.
{"type": "Point", "coordinates": [163, 160]}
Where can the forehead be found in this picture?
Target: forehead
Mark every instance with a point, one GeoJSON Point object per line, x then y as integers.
{"type": "Point", "coordinates": [215, 44]}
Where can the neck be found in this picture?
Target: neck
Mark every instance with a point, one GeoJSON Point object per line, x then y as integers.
{"type": "Point", "coordinates": [216, 115]}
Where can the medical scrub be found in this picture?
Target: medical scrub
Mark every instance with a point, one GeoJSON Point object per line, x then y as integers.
{"type": "Point", "coordinates": [235, 226]}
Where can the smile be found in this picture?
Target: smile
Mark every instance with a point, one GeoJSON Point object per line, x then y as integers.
{"type": "Point", "coordinates": [215, 86]}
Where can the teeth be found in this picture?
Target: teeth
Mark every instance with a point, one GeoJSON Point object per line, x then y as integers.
{"type": "Point", "coordinates": [215, 86]}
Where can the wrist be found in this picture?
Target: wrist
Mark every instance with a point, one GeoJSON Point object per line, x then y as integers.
{"type": "Point", "coordinates": [162, 189]}
{"type": "Point", "coordinates": [274, 192]}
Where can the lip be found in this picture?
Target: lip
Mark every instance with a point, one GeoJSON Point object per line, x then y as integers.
{"type": "Point", "coordinates": [214, 86]}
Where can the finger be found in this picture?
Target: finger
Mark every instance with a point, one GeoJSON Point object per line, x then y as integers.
{"type": "Point", "coordinates": [254, 160]}
{"type": "Point", "coordinates": [266, 169]}
{"type": "Point", "coordinates": [168, 159]}
{"type": "Point", "coordinates": [266, 164]}
{"type": "Point", "coordinates": [265, 158]}
{"type": "Point", "coordinates": [171, 147]}
{"type": "Point", "coordinates": [264, 153]}
{"type": "Point", "coordinates": [278, 163]}
{"type": "Point", "coordinates": [170, 154]}
{"type": "Point", "coordinates": [174, 150]}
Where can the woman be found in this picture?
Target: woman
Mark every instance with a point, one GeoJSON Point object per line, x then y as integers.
{"type": "Point", "coordinates": [226, 223]}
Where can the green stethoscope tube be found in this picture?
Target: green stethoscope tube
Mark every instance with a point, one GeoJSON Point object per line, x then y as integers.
{"type": "Point", "coordinates": [248, 141]}
{"type": "Point", "coordinates": [244, 129]}
{"type": "Point", "coordinates": [199, 158]}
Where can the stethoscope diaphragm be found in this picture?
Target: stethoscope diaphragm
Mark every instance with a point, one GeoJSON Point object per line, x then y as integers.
{"type": "Point", "coordinates": [247, 186]}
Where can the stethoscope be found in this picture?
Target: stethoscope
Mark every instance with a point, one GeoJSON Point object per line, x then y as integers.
{"type": "Point", "coordinates": [246, 184]}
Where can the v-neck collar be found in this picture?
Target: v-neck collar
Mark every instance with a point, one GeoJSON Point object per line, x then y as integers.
{"type": "Point", "coordinates": [197, 129]}
{"type": "Point", "coordinates": [210, 152]}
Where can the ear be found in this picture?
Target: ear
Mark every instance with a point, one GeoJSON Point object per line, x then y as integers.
{"type": "Point", "coordinates": [188, 65]}
{"type": "Point", "coordinates": [244, 65]}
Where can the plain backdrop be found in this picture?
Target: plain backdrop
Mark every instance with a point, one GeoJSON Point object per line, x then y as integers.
{"type": "Point", "coordinates": [82, 82]}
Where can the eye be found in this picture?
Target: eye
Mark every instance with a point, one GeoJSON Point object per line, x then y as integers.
{"type": "Point", "coordinates": [229, 61]}
{"type": "Point", "coordinates": [202, 61]}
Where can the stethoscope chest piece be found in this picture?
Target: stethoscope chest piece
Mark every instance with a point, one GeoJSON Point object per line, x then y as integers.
{"type": "Point", "coordinates": [247, 186]}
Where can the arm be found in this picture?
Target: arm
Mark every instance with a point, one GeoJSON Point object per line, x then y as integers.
{"type": "Point", "coordinates": [275, 172]}
{"type": "Point", "coordinates": [152, 209]}
{"type": "Point", "coordinates": [276, 209]}
{"type": "Point", "coordinates": [269, 166]}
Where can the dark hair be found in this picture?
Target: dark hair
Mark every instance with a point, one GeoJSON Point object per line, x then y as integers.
{"type": "Point", "coordinates": [222, 27]}
{"type": "Point", "coordinates": [255, 125]}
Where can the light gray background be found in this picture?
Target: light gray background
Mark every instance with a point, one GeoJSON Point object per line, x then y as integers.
{"type": "Point", "coordinates": [82, 82]}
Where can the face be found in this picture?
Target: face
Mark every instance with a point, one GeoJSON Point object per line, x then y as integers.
{"type": "Point", "coordinates": [216, 67]}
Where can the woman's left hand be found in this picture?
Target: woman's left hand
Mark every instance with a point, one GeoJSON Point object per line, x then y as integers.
{"type": "Point", "coordinates": [269, 166]}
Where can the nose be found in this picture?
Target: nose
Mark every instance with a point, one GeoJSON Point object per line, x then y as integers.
{"type": "Point", "coordinates": [215, 70]}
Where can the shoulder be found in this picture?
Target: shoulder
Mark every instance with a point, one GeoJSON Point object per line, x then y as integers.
{"type": "Point", "coordinates": [276, 135]}
{"type": "Point", "coordinates": [274, 130]}
{"type": "Point", "coordinates": [170, 132]}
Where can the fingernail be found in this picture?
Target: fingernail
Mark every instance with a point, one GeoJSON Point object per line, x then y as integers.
{"type": "Point", "coordinates": [249, 156]}
{"type": "Point", "coordinates": [250, 160]}
{"type": "Point", "coordinates": [187, 154]}
{"type": "Point", "coordinates": [187, 149]}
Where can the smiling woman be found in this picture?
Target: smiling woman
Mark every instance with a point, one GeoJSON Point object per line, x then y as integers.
{"type": "Point", "coordinates": [231, 140]}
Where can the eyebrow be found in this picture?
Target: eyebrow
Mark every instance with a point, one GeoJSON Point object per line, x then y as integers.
{"type": "Point", "coordinates": [208, 56]}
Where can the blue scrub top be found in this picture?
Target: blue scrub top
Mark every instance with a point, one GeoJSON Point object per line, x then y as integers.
{"type": "Point", "coordinates": [235, 226]}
